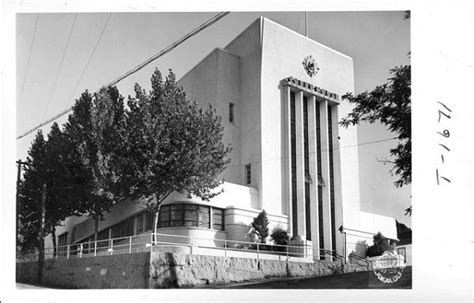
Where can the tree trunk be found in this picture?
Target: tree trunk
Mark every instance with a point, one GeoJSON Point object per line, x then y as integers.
{"type": "Point", "coordinates": [96, 221]}
{"type": "Point", "coordinates": [155, 227]}
{"type": "Point", "coordinates": [155, 223]}
{"type": "Point", "coordinates": [53, 235]}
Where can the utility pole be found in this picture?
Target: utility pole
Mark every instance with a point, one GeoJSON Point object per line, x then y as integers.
{"type": "Point", "coordinates": [18, 210]}
{"type": "Point", "coordinates": [42, 228]}
{"type": "Point", "coordinates": [18, 203]}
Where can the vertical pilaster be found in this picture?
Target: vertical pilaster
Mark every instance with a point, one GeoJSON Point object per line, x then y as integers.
{"type": "Point", "coordinates": [300, 175]}
{"type": "Point", "coordinates": [337, 181]}
{"type": "Point", "coordinates": [313, 168]}
{"type": "Point", "coordinates": [286, 179]}
{"type": "Point", "coordinates": [325, 175]}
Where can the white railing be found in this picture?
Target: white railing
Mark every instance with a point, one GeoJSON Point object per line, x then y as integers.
{"type": "Point", "coordinates": [184, 244]}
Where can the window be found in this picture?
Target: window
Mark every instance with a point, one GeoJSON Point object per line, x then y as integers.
{"type": "Point", "coordinates": [306, 168]}
{"type": "Point", "coordinates": [294, 209]}
{"type": "Point", "coordinates": [320, 178]}
{"type": "Point", "coordinates": [231, 112]}
{"type": "Point", "coordinates": [140, 225]}
{"type": "Point", "coordinates": [149, 219]}
{"type": "Point", "coordinates": [402, 251]}
{"type": "Point", "coordinates": [218, 218]}
{"type": "Point", "coordinates": [123, 229]}
{"type": "Point", "coordinates": [331, 179]}
{"type": "Point", "coordinates": [203, 217]}
{"type": "Point", "coordinates": [62, 242]}
{"type": "Point", "coordinates": [248, 173]}
{"type": "Point", "coordinates": [190, 215]}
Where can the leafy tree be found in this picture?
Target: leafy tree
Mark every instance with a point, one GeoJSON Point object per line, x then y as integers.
{"type": "Point", "coordinates": [95, 128]}
{"type": "Point", "coordinates": [260, 226]}
{"type": "Point", "coordinates": [403, 233]}
{"type": "Point", "coordinates": [30, 194]}
{"type": "Point", "coordinates": [381, 244]}
{"type": "Point", "coordinates": [280, 236]}
{"type": "Point", "coordinates": [171, 145]}
{"type": "Point", "coordinates": [50, 163]}
{"type": "Point", "coordinates": [389, 104]}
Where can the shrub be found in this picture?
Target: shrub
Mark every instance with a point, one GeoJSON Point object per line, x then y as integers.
{"type": "Point", "coordinates": [280, 236]}
{"type": "Point", "coordinates": [380, 246]}
{"type": "Point", "coordinates": [260, 226]}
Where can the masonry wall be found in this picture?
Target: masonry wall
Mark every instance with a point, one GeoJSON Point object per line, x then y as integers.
{"type": "Point", "coordinates": [176, 269]}
{"type": "Point", "coordinates": [119, 271]}
{"type": "Point", "coordinates": [171, 267]}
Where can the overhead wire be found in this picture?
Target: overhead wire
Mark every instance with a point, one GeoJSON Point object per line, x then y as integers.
{"type": "Point", "coordinates": [91, 55]}
{"type": "Point", "coordinates": [28, 63]}
{"type": "Point", "coordinates": [310, 153]}
{"type": "Point", "coordinates": [133, 70]}
{"type": "Point", "coordinates": [60, 65]}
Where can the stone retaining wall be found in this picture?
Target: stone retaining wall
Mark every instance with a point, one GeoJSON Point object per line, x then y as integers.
{"type": "Point", "coordinates": [116, 271]}
{"type": "Point", "coordinates": [168, 267]}
{"type": "Point", "coordinates": [185, 270]}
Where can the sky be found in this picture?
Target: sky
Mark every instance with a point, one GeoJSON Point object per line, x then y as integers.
{"type": "Point", "coordinates": [60, 55]}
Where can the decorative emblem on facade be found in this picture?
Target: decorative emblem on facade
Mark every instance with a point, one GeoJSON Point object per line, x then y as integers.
{"type": "Point", "coordinates": [310, 66]}
{"type": "Point", "coordinates": [389, 267]}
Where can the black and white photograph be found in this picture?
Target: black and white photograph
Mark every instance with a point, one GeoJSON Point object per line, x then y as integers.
{"type": "Point", "coordinates": [189, 153]}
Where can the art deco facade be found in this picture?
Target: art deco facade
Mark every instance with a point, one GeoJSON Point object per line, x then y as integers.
{"type": "Point", "coordinates": [279, 94]}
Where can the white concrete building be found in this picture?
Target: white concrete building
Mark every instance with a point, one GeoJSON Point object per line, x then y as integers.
{"type": "Point", "coordinates": [279, 94]}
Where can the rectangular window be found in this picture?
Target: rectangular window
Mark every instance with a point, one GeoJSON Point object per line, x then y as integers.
{"type": "Point", "coordinates": [149, 219]}
{"type": "Point", "coordinates": [248, 173]}
{"type": "Point", "coordinates": [320, 178]}
{"type": "Point", "coordinates": [123, 229]}
{"type": "Point", "coordinates": [62, 242]}
{"type": "Point", "coordinates": [101, 237]}
{"type": "Point", "coordinates": [402, 251]}
{"type": "Point", "coordinates": [204, 217]}
{"type": "Point", "coordinates": [231, 112]}
{"type": "Point", "coordinates": [294, 197]}
{"type": "Point", "coordinates": [187, 215]}
{"type": "Point", "coordinates": [331, 179]}
{"type": "Point", "coordinates": [218, 219]}
{"type": "Point", "coordinates": [140, 225]}
{"type": "Point", "coordinates": [307, 182]}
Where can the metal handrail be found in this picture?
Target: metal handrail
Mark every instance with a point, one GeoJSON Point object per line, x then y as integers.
{"type": "Point", "coordinates": [147, 240]}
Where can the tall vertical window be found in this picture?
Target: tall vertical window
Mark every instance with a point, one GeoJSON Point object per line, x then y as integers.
{"type": "Point", "coordinates": [123, 229]}
{"type": "Point", "coordinates": [294, 207]}
{"type": "Point", "coordinates": [62, 242]}
{"type": "Point", "coordinates": [140, 225]}
{"type": "Point", "coordinates": [248, 173]}
{"type": "Point", "coordinates": [307, 182]}
{"type": "Point", "coordinates": [101, 236]}
{"type": "Point", "coordinates": [149, 219]}
{"type": "Point", "coordinates": [231, 112]}
{"type": "Point", "coordinates": [217, 218]}
{"type": "Point", "coordinates": [320, 177]}
{"type": "Point", "coordinates": [331, 179]}
{"type": "Point", "coordinates": [402, 251]}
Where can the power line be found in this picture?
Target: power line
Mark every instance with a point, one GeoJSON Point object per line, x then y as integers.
{"type": "Point", "coordinates": [60, 65]}
{"type": "Point", "coordinates": [90, 57]}
{"type": "Point", "coordinates": [138, 67]}
{"type": "Point", "coordinates": [28, 62]}
{"type": "Point", "coordinates": [169, 48]}
{"type": "Point", "coordinates": [325, 150]}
